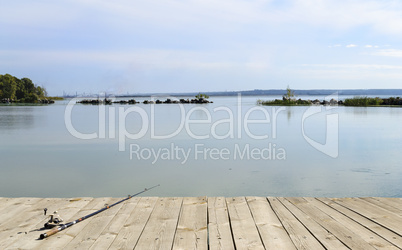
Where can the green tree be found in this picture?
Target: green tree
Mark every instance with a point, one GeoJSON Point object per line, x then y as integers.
{"type": "Point", "coordinates": [9, 86]}
{"type": "Point", "coordinates": [1, 87]}
{"type": "Point", "coordinates": [40, 91]}
{"type": "Point", "coordinates": [23, 90]}
{"type": "Point", "coordinates": [28, 84]}
{"type": "Point", "coordinates": [31, 98]}
{"type": "Point", "coordinates": [289, 93]}
{"type": "Point", "coordinates": [199, 96]}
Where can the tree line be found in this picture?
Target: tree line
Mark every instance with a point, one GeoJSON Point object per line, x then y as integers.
{"type": "Point", "coordinates": [20, 90]}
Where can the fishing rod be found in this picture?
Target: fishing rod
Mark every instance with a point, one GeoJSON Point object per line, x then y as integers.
{"type": "Point", "coordinates": [64, 226]}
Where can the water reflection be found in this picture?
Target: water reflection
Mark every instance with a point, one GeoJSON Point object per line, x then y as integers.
{"type": "Point", "coordinates": [362, 111]}
{"type": "Point", "coordinates": [289, 113]}
{"type": "Point", "coordinates": [14, 118]}
{"type": "Point", "coordinates": [41, 148]}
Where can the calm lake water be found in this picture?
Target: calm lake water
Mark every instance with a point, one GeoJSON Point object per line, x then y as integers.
{"type": "Point", "coordinates": [231, 147]}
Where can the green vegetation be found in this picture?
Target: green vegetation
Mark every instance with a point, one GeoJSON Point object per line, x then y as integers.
{"type": "Point", "coordinates": [287, 100]}
{"type": "Point", "coordinates": [203, 96]}
{"type": "Point", "coordinates": [284, 102]}
{"type": "Point", "coordinates": [354, 102]}
{"type": "Point", "coordinates": [363, 101]}
{"type": "Point", "coordinates": [55, 98]}
{"type": "Point", "coordinates": [289, 93]}
{"type": "Point", "coordinates": [397, 101]}
{"type": "Point", "coordinates": [20, 90]}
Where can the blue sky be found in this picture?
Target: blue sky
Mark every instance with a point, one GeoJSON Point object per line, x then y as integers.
{"type": "Point", "coordinates": [147, 46]}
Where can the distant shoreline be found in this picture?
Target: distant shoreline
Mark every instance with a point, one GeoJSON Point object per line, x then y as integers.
{"type": "Point", "coordinates": [269, 92]}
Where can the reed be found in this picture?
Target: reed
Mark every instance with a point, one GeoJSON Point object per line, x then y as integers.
{"type": "Point", "coordinates": [363, 101]}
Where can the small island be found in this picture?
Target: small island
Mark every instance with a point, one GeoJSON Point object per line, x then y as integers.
{"type": "Point", "coordinates": [355, 102]}
{"type": "Point", "coordinates": [15, 90]}
{"type": "Point", "coordinates": [289, 100]}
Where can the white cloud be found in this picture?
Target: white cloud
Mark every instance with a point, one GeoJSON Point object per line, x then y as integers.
{"type": "Point", "coordinates": [350, 76]}
{"type": "Point", "coordinates": [351, 72]}
{"type": "Point", "coordinates": [39, 13]}
{"type": "Point", "coordinates": [388, 52]}
{"type": "Point", "coordinates": [176, 14]}
{"type": "Point", "coordinates": [381, 16]}
{"type": "Point", "coordinates": [353, 66]}
{"type": "Point", "coordinates": [209, 36]}
{"type": "Point", "coordinates": [368, 46]}
{"type": "Point", "coordinates": [146, 58]}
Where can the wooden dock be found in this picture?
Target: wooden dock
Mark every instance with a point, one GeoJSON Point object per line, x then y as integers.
{"type": "Point", "coordinates": [206, 223]}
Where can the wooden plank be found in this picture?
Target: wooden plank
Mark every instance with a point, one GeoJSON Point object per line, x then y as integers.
{"type": "Point", "coordinates": [273, 234]}
{"type": "Point", "coordinates": [129, 234]}
{"type": "Point", "coordinates": [19, 211]}
{"type": "Point", "coordinates": [151, 223]}
{"type": "Point", "coordinates": [160, 230]}
{"type": "Point", "coordinates": [16, 230]}
{"type": "Point", "coordinates": [349, 238]}
{"type": "Point", "coordinates": [326, 238]}
{"type": "Point", "coordinates": [300, 236]}
{"type": "Point", "coordinates": [191, 232]}
{"type": "Point", "coordinates": [109, 234]}
{"type": "Point", "coordinates": [5, 202]}
{"type": "Point", "coordinates": [383, 217]}
{"type": "Point", "coordinates": [367, 235]}
{"type": "Point", "coordinates": [29, 241]}
{"type": "Point", "coordinates": [17, 208]}
{"type": "Point", "coordinates": [89, 234]}
{"type": "Point", "coordinates": [245, 233]}
{"type": "Point", "coordinates": [220, 235]}
{"type": "Point", "coordinates": [385, 204]}
{"type": "Point", "coordinates": [369, 224]}
{"type": "Point", "coordinates": [395, 202]}
{"type": "Point", "coordinates": [61, 239]}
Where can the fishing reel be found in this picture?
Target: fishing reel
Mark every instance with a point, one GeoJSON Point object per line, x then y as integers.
{"type": "Point", "coordinates": [54, 220]}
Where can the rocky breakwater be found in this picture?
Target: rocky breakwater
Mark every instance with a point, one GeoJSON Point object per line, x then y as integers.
{"type": "Point", "coordinates": [132, 101]}
{"type": "Point", "coordinates": [96, 101]}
